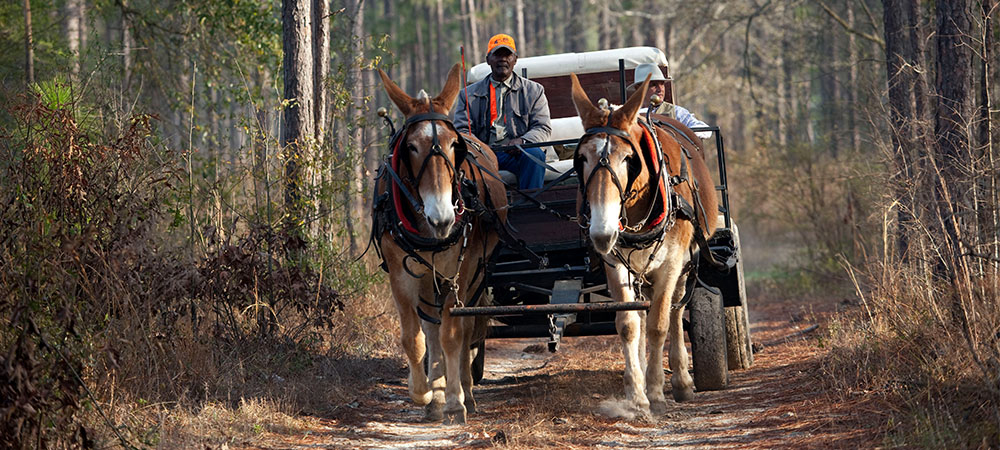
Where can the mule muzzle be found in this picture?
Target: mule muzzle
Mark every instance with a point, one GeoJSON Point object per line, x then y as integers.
{"type": "Point", "coordinates": [440, 228]}
{"type": "Point", "coordinates": [603, 240]}
{"type": "Point", "coordinates": [440, 214]}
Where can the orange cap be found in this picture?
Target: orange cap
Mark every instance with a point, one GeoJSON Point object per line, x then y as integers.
{"type": "Point", "coordinates": [501, 40]}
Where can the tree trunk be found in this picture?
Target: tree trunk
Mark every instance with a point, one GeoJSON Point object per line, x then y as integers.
{"type": "Point", "coordinates": [992, 75]}
{"type": "Point", "coordinates": [784, 95]}
{"type": "Point", "coordinates": [575, 29]}
{"type": "Point", "coordinates": [76, 35]}
{"type": "Point", "coordinates": [126, 47]}
{"type": "Point", "coordinates": [29, 46]}
{"type": "Point", "coordinates": [828, 87]}
{"type": "Point", "coordinates": [321, 67]}
{"type": "Point", "coordinates": [986, 83]}
{"type": "Point", "coordinates": [355, 195]}
{"type": "Point", "coordinates": [297, 123]}
{"type": "Point", "coordinates": [852, 86]}
{"type": "Point", "coordinates": [474, 36]}
{"type": "Point", "coordinates": [463, 9]}
{"type": "Point", "coordinates": [901, 116]}
{"type": "Point", "coordinates": [522, 43]}
{"type": "Point", "coordinates": [259, 141]}
{"type": "Point", "coordinates": [321, 70]}
{"type": "Point", "coordinates": [951, 188]}
{"type": "Point", "coordinates": [954, 85]}
{"type": "Point", "coordinates": [914, 52]}
{"type": "Point", "coordinates": [606, 30]}
{"type": "Point", "coordinates": [441, 55]}
{"type": "Point", "coordinates": [419, 60]}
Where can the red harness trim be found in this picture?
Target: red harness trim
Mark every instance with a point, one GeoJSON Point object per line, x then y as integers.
{"type": "Point", "coordinates": [397, 195]}
{"type": "Point", "coordinates": [655, 162]}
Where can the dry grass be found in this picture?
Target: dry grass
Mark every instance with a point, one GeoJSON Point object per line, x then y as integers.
{"type": "Point", "coordinates": [252, 393]}
{"type": "Point", "coordinates": [906, 347]}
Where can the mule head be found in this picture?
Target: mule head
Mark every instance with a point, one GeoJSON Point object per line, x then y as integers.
{"type": "Point", "coordinates": [606, 162]}
{"type": "Point", "coordinates": [431, 151]}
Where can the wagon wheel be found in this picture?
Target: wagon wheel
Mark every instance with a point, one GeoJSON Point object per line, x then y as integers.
{"type": "Point", "coordinates": [478, 361]}
{"type": "Point", "coordinates": [738, 343]}
{"type": "Point", "coordinates": [708, 340]}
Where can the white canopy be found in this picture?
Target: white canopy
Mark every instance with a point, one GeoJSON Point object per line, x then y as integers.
{"type": "Point", "coordinates": [586, 62]}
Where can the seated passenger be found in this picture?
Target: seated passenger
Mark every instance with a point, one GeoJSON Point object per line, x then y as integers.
{"type": "Point", "coordinates": [658, 86]}
{"type": "Point", "coordinates": [505, 109]}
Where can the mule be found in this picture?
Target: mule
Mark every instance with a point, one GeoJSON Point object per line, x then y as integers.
{"type": "Point", "coordinates": [435, 219]}
{"type": "Point", "coordinates": [645, 209]}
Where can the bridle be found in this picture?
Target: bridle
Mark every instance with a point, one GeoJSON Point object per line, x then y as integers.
{"type": "Point", "coordinates": [461, 148]}
{"type": "Point", "coordinates": [625, 193]}
{"type": "Point", "coordinates": [461, 151]}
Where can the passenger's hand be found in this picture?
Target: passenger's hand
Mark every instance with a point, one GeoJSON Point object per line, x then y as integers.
{"type": "Point", "coordinates": [512, 143]}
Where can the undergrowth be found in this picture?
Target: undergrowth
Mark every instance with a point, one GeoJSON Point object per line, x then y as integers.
{"type": "Point", "coordinates": [113, 314]}
{"type": "Point", "coordinates": [923, 345]}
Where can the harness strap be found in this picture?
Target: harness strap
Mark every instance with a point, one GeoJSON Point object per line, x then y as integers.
{"type": "Point", "coordinates": [502, 229]}
{"type": "Point", "coordinates": [409, 197]}
{"type": "Point", "coordinates": [686, 137]}
{"type": "Point", "coordinates": [426, 316]}
{"type": "Point", "coordinates": [426, 116]}
{"type": "Point", "coordinates": [528, 197]}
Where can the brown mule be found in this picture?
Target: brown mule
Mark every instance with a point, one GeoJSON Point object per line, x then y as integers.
{"type": "Point", "coordinates": [453, 243]}
{"type": "Point", "coordinates": [620, 187]}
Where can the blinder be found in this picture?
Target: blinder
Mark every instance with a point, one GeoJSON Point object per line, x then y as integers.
{"type": "Point", "coordinates": [634, 160]}
{"type": "Point", "coordinates": [461, 147]}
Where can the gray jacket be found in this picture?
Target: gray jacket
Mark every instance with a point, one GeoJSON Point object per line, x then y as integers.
{"type": "Point", "coordinates": [524, 105]}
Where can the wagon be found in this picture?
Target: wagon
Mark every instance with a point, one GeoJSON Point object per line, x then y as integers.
{"type": "Point", "coordinates": [548, 283]}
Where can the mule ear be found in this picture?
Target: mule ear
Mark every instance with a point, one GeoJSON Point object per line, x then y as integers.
{"type": "Point", "coordinates": [590, 115]}
{"type": "Point", "coordinates": [624, 116]}
{"type": "Point", "coordinates": [450, 91]}
{"type": "Point", "coordinates": [403, 102]}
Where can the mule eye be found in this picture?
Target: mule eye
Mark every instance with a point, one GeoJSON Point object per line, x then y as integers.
{"type": "Point", "coordinates": [412, 148]}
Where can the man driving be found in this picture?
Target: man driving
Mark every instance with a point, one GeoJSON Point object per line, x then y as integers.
{"type": "Point", "coordinates": [504, 110]}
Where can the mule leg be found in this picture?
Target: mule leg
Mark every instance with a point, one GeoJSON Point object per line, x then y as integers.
{"type": "Point", "coordinates": [452, 342]}
{"type": "Point", "coordinates": [433, 412]}
{"type": "Point", "coordinates": [657, 326]}
{"type": "Point", "coordinates": [629, 326]}
{"type": "Point", "coordinates": [412, 338]}
{"type": "Point", "coordinates": [466, 367]}
{"type": "Point", "coordinates": [680, 381]}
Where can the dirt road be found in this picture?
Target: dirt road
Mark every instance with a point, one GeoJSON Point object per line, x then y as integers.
{"type": "Point", "coordinates": [534, 399]}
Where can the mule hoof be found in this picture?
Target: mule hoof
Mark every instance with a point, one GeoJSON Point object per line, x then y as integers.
{"type": "Point", "coordinates": [683, 394]}
{"type": "Point", "coordinates": [470, 405]}
{"type": "Point", "coordinates": [456, 417]}
{"type": "Point", "coordinates": [641, 414]}
{"type": "Point", "coordinates": [433, 412]}
{"type": "Point", "coordinates": [658, 407]}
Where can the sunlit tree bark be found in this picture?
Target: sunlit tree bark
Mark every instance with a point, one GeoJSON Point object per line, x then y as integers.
{"type": "Point", "coordinates": [75, 27]}
{"type": "Point", "coordinates": [29, 46]}
{"type": "Point", "coordinates": [297, 117]}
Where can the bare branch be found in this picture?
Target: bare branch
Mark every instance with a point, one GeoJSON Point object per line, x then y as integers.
{"type": "Point", "coordinates": [843, 23]}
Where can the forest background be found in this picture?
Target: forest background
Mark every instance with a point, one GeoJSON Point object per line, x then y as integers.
{"type": "Point", "coordinates": [185, 183]}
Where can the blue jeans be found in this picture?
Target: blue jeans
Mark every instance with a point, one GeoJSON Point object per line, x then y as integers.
{"type": "Point", "coordinates": [530, 175]}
